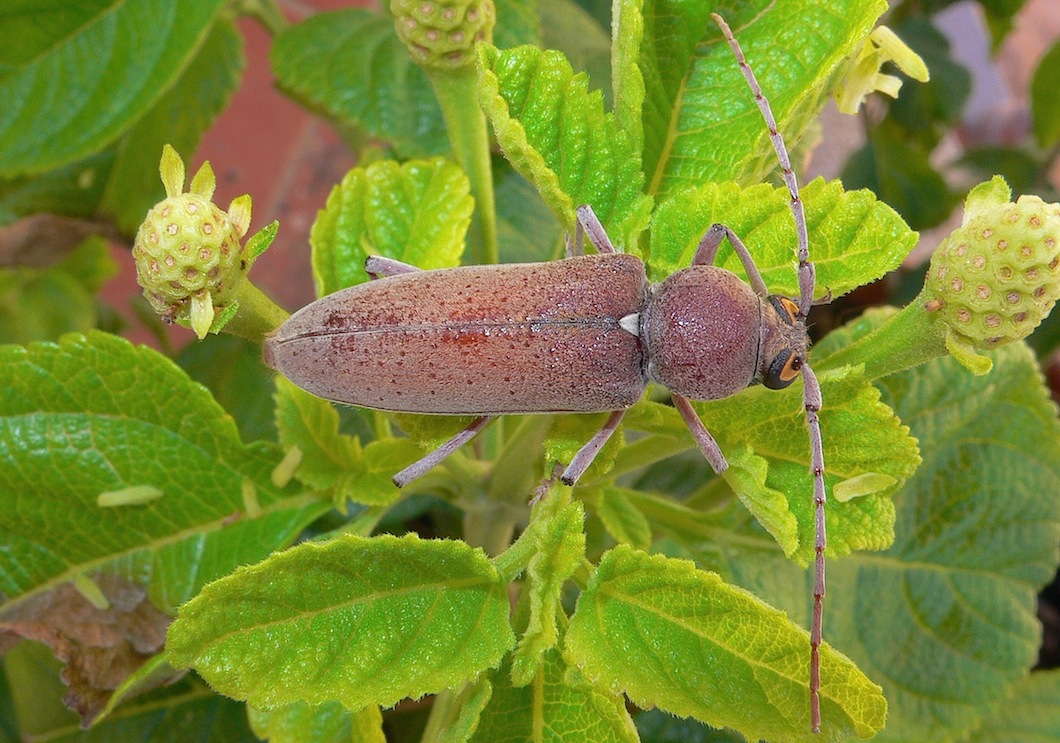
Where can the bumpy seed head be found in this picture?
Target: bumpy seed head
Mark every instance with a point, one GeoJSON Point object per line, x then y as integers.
{"type": "Point", "coordinates": [189, 259]}
{"type": "Point", "coordinates": [443, 33]}
{"type": "Point", "coordinates": [998, 275]}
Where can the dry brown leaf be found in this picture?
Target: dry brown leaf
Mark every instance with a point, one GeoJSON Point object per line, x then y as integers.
{"type": "Point", "coordinates": [43, 240]}
{"type": "Point", "coordinates": [99, 648]}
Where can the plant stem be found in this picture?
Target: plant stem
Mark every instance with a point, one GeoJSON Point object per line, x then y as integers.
{"type": "Point", "coordinates": [489, 525]}
{"type": "Point", "coordinates": [257, 316]}
{"type": "Point", "coordinates": [908, 338]}
{"type": "Point", "coordinates": [457, 92]}
{"type": "Point", "coordinates": [267, 13]}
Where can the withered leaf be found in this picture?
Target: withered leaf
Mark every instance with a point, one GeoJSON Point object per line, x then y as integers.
{"type": "Point", "coordinates": [99, 648]}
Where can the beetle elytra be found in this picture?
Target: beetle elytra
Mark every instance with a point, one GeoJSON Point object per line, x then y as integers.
{"type": "Point", "coordinates": [583, 334]}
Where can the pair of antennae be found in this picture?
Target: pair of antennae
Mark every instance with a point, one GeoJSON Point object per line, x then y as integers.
{"type": "Point", "coordinates": [811, 388]}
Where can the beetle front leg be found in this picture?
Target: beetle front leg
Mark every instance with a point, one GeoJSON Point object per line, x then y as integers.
{"type": "Point", "coordinates": [421, 466]}
{"type": "Point", "coordinates": [705, 442]}
{"type": "Point", "coordinates": [378, 267]}
{"type": "Point", "coordinates": [707, 252]}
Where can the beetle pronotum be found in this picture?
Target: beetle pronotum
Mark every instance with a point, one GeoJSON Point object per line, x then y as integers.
{"type": "Point", "coordinates": [583, 334]}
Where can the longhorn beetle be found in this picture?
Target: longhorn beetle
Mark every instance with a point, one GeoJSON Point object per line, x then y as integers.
{"type": "Point", "coordinates": [583, 334]}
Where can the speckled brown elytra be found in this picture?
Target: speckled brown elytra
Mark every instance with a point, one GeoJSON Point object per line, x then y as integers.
{"type": "Point", "coordinates": [583, 334]}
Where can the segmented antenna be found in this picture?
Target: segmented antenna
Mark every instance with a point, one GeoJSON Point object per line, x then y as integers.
{"type": "Point", "coordinates": [806, 271]}
{"type": "Point", "coordinates": [811, 395]}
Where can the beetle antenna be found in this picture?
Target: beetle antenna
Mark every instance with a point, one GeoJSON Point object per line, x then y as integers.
{"type": "Point", "coordinates": [807, 274]}
{"type": "Point", "coordinates": [811, 395]}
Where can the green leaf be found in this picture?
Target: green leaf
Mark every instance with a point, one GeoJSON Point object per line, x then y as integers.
{"type": "Point", "coordinates": [1029, 712]}
{"type": "Point", "coordinates": [517, 23]}
{"type": "Point", "coordinates": [976, 537]}
{"type": "Point", "coordinates": [854, 238]}
{"type": "Point", "coordinates": [418, 213]}
{"type": "Point", "coordinates": [350, 66]}
{"type": "Point", "coordinates": [36, 690]}
{"type": "Point", "coordinates": [861, 434]}
{"type": "Point", "coordinates": [331, 461]}
{"type": "Point", "coordinates": [700, 119]}
{"type": "Point", "coordinates": [328, 723]}
{"type": "Point", "coordinates": [42, 304]}
{"type": "Point", "coordinates": [560, 549]}
{"type": "Point", "coordinates": [179, 119]}
{"type": "Point", "coordinates": [188, 710]}
{"type": "Point", "coordinates": [747, 474]}
{"type": "Point", "coordinates": [72, 190]}
{"type": "Point", "coordinates": [926, 110]}
{"type": "Point", "coordinates": [681, 639]}
{"type": "Point", "coordinates": [363, 621]}
{"type": "Point", "coordinates": [1045, 109]}
{"type": "Point", "coordinates": [945, 618]}
{"type": "Point", "coordinates": [628, 83]}
{"type": "Point", "coordinates": [655, 726]}
{"type": "Point", "coordinates": [526, 230]}
{"type": "Point", "coordinates": [470, 701]}
{"type": "Point", "coordinates": [72, 80]}
{"type": "Point", "coordinates": [622, 519]}
{"type": "Point", "coordinates": [230, 367]}
{"type": "Point", "coordinates": [557, 135]}
{"type": "Point", "coordinates": [558, 702]}
{"type": "Point", "coordinates": [93, 414]}
{"type": "Point", "coordinates": [570, 29]}
{"type": "Point", "coordinates": [899, 173]}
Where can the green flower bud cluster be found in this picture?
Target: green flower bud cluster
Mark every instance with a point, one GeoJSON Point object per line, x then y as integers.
{"type": "Point", "coordinates": [442, 34]}
{"type": "Point", "coordinates": [189, 259]}
{"type": "Point", "coordinates": [996, 277]}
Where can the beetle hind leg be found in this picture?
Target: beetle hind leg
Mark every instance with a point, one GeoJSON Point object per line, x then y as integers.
{"type": "Point", "coordinates": [422, 466]}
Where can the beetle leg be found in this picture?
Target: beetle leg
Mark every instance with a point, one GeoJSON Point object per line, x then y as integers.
{"type": "Point", "coordinates": [705, 442]}
{"type": "Point", "coordinates": [589, 223]}
{"type": "Point", "coordinates": [585, 456]}
{"type": "Point", "coordinates": [707, 252]}
{"type": "Point", "coordinates": [379, 266]}
{"type": "Point", "coordinates": [422, 466]}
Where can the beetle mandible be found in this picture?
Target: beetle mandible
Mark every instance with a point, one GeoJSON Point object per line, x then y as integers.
{"type": "Point", "coordinates": [584, 334]}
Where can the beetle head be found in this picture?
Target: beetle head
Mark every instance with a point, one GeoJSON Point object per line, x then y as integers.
{"type": "Point", "coordinates": [784, 342]}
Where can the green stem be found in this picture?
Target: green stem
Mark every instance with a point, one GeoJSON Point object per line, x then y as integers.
{"type": "Point", "coordinates": [515, 469]}
{"type": "Point", "coordinates": [446, 708]}
{"type": "Point", "coordinates": [257, 316]}
{"type": "Point", "coordinates": [489, 525]}
{"type": "Point", "coordinates": [457, 92]}
{"type": "Point", "coordinates": [908, 338]}
{"type": "Point", "coordinates": [267, 12]}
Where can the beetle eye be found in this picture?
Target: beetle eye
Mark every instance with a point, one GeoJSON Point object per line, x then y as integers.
{"type": "Point", "coordinates": [783, 370]}
{"type": "Point", "coordinates": [786, 308]}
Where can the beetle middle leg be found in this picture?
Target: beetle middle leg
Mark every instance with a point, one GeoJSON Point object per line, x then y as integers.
{"type": "Point", "coordinates": [421, 466]}
{"type": "Point", "coordinates": [585, 456]}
